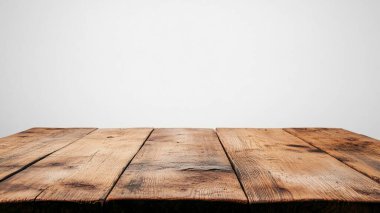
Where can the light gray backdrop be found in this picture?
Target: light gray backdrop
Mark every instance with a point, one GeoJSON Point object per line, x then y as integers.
{"type": "Point", "coordinates": [214, 63]}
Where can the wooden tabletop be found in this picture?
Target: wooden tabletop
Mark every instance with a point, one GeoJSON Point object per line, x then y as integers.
{"type": "Point", "coordinates": [189, 170]}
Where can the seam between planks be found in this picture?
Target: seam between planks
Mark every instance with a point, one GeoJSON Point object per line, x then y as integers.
{"type": "Point", "coordinates": [42, 157]}
{"type": "Point", "coordinates": [332, 156]}
{"type": "Point", "coordinates": [103, 200]}
{"type": "Point", "coordinates": [232, 166]}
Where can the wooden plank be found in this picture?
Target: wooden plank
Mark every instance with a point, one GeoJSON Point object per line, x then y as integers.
{"type": "Point", "coordinates": [358, 151]}
{"type": "Point", "coordinates": [175, 166]}
{"type": "Point", "coordinates": [22, 149]}
{"type": "Point", "coordinates": [84, 171]}
{"type": "Point", "coordinates": [275, 166]}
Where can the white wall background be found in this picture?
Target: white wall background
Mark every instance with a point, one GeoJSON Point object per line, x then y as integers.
{"type": "Point", "coordinates": [214, 63]}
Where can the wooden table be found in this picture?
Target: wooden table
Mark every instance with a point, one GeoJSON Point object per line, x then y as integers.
{"type": "Point", "coordinates": [189, 170]}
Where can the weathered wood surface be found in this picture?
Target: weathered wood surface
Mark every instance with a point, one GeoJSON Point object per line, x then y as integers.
{"type": "Point", "coordinates": [180, 164]}
{"type": "Point", "coordinates": [358, 151]}
{"type": "Point", "coordinates": [275, 166]}
{"type": "Point", "coordinates": [189, 170]}
{"type": "Point", "coordinates": [85, 171]}
{"type": "Point", "coordinates": [22, 149]}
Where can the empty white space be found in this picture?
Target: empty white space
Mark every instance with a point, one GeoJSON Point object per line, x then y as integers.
{"type": "Point", "coordinates": [190, 63]}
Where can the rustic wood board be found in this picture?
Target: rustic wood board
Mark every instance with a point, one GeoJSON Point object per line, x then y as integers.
{"type": "Point", "coordinates": [275, 166]}
{"type": "Point", "coordinates": [22, 149]}
{"type": "Point", "coordinates": [179, 164]}
{"type": "Point", "coordinates": [84, 171]}
{"type": "Point", "coordinates": [189, 170]}
{"type": "Point", "coordinates": [358, 151]}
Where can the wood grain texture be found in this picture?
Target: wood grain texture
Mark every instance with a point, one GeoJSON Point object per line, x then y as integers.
{"type": "Point", "coordinates": [179, 165]}
{"type": "Point", "coordinates": [187, 170]}
{"type": "Point", "coordinates": [358, 151]}
{"type": "Point", "coordinates": [22, 149]}
{"type": "Point", "coordinates": [84, 171]}
{"type": "Point", "coordinates": [275, 166]}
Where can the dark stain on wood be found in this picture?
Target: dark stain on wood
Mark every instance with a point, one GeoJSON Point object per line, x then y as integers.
{"type": "Point", "coordinates": [343, 159]}
{"type": "Point", "coordinates": [207, 168]}
{"type": "Point", "coordinates": [81, 185]}
{"type": "Point", "coordinates": [315, 150]}
{"type": "Point", "coordinates": [368, 192]}
{"type": "Point", "coordinates": [134, 184]}
{"type": "Point", "coordinates": [353, 146]}
{"type": "Point", "coordinates": [294, 150]}
{"type": "Point", "coordinates": [282, 190]}
{"type": "Point", "coordinates": [297, 145]}
{"type": "Point", "coordinates": [55, 164]}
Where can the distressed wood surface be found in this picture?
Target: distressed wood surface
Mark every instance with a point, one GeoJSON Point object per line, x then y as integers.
{"type": "Point", "coordinates": [358, 151]}
{"type": "Point", "coordinates": [84, 171]}
{"type": "Point", "coordinates": [180, 164]}
{"type": "Point", "coordinates": [22, 149]}
{"type": "Point", "coordinates": [189, 170]}
{"type": "Point", "coordinates": [275, 166]}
